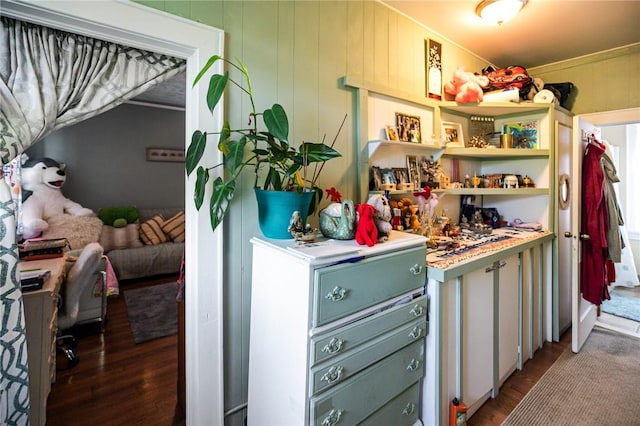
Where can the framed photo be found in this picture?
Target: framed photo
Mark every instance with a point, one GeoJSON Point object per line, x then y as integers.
{"type": "Point", "coordinates": [408, 127]}
{"type": "Point", "coordinates": [401, 175]}
{"type": "Point", "coordinates": [392, 133]}
{"type": "Point", "coordinates": [414, 172]}
{"type": "Point", "coordinates": [375, 179]}
{"type": "Point", "coordinates": [433, 69]}
{"type": "Point", "coordinates": [525, 134]}
{"type": "Point", "coordinates": [165, 154]}
{"type": "Point", "coordinates": [388, 178]}
{"type": "Point", "coordinates": [452, 134]}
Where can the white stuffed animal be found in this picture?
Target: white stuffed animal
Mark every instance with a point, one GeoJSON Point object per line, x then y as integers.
{"type": "Point", "coordinates": [42, 179]}
{"type": "Point", "coordinates": [383, 215]}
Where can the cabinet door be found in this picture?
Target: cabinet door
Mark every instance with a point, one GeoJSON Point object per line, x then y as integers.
{"type": "Point", "coordinates": [477, 328]}
{"type": "Point", "coordinates": [508, 301]}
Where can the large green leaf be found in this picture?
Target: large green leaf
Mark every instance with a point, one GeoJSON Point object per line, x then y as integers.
{"type": "Point", "coordinates": [201, 185]}
{"type": "Point", "coordinates": [235, 156]}
{"type": "Point", "coordinates": [225, 134]}
{"type": "Point", "coordinates": [212, 60]}
{"type": "Point", "coordinates": [316, 200]}
{"type": "Point", "coordinates": [220, 198]}
{"type": "Point", "coordinates": [276, 121]}
{"type": "Point", "coordinates": [195, 150]}
{"type": "Point", "coordinates": [315, 153]}
{"type": "Point", "coordinates": [273, 180]}
{"type": "Point", "coordinates": [217, 83]}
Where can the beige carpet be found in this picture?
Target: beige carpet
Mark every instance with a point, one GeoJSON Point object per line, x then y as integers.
{"type": "Point", "coordinates": [599, 386]}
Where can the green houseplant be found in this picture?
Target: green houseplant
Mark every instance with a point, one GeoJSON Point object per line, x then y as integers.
{"type": "Point", "coordinates": [288, 168]}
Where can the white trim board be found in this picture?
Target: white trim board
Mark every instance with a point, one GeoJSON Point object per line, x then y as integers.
{"type": "Point", "coordinates": [146, 28]}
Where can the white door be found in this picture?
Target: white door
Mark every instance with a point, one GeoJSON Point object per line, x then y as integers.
{"type": "Point", "coordinates": [583, 313]}
{"type": "Point", "coordinates": [566, 236]}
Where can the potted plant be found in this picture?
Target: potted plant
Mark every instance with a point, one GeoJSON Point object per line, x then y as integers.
{"type": "Point", "coordinates": [288, 168]}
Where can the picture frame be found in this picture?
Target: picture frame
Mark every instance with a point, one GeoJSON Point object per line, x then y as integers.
{"type": "Point", "coordinates": [165, 154]}
{"type": "Point", "coordinates": [525, 134]}
{"type": "Point", "coordinates": [408, 127]}
{"type": "Point", "coordinates": [413, 171]}
{"type": "Point", "coordinates": [375, 179]}
{"type": "Point", "coordinates": [452, 134]}
{"type": "Point", "coordinates": [388, 178]}
{"type": "Point", "coordinates": [401, 175]}
{"type": "Point", "coordinates": [433, 69]}
{"type": "Point", "coordinates": [392, 133]}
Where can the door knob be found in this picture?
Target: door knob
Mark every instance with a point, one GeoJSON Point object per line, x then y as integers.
{"type": "Point", "coordinates": [585, 237]}
{"type": "Point", "coordinates": [568, 234]}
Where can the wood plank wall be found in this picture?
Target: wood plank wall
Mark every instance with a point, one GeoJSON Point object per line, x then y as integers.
{"type": "Point", "coordinates": [296, 52]}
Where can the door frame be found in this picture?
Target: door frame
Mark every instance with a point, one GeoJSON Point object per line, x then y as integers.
{"type": "Point", "coordinates": [583, 319]}
{"type": "Point", "coordinates": [146, 28]}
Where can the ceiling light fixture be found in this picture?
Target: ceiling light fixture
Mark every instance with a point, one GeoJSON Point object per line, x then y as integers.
{"type": "Point", "coordinates": [499, 11]}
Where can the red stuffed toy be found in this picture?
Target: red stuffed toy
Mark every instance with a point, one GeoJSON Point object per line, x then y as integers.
{"type": "Point", "coordinates": [366, 232]}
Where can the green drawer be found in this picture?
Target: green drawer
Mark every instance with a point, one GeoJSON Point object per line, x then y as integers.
{"type": "Point", "coordinates": [338, 342]}
{"type": "Point", "coordinates": [402, 411]}
{"type": "Point", "coordinates": [342, 368]}
{"type": "Point", "coordinates": [343, 289]}
{"type": "Point", "coordinates": [357, 398]}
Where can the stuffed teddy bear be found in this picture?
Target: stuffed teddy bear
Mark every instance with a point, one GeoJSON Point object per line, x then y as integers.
{"type": "Point", "coordinates": [409, 214]}
{"type": "Point", "coordinates": [466, 87]}
{"type": "Point", "coordinates": [366, 231]}
{"type": "Point", "coordinates": [383, 215]}
{"type": "Point", "coordinates": [42, 179]}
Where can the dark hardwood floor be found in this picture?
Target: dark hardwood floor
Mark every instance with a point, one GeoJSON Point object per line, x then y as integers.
{"type": "Point", "coordinates": [120, 383]}
{"type": "Point", "coordinates": [494, 411]}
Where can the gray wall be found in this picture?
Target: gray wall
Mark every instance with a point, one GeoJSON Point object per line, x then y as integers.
{"type": "Point", "coordinates": [106, 158]}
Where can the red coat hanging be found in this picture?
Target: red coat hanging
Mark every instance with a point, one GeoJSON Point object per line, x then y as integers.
{"type": "Point", "coordinates": [593, 277]}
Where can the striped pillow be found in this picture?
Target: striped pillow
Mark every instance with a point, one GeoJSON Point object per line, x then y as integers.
{"type": "Point", "coordinates": [174, 227]}
{"type": "Point", "coordinates": [151, 231]}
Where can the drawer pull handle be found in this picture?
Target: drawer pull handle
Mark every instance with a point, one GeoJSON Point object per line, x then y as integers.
{"type": "Point", "coordinates": [500, 264]}
{"type": "Point", "coordinates": [338, 293]}
{"type": "Point", "coordinates": [409, 409]}
{"type": "Point", "coordinates": [333, 375]}
{"type": "Point", "coordinates": [416, 311]}
{"type": "Point", "coordinates": [416, 269]}
{"type": "Point", "coordinates": [333, 417]}
{"type": "Point", "coordinates": [415, 333]}
{"type": "Point", "coordinates": [413, 365]}
{"type": "Point", "coordinates": [333, 346]}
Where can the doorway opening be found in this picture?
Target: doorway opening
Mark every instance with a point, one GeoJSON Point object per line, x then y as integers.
{"type": "Point", "coordinates": [623, 310]}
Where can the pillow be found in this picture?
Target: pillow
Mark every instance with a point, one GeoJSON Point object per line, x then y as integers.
{"type": "Point", "coordinates": [174, 227]}
{"type": "Point", "coordinates": [118, 217]}
{"type": "Point", "coordinates": [151, 231]}
{"type": "Point", "coordinates": [120, 238]}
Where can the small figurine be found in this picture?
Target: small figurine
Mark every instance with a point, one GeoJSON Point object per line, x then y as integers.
{"type": "Point", "coordinates": [300, 231]}
{"type": "Point", "coordinates": [510, 181]}
{"type": "Point", "coordinates": [476, 181]}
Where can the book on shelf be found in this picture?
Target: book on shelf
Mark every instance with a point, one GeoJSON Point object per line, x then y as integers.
{"type": "Point", "coordinates": [33, 279]}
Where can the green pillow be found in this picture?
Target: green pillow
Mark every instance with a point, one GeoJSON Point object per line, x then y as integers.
{"type": "Point", "coordinates": [118, 217]}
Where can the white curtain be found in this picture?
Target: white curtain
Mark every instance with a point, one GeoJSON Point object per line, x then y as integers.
{"type": "Point", "coordinates": [51, 79]}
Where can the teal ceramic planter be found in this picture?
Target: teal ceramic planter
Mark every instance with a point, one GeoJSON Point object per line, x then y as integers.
{"type": "Point", "coordinates": [275, 209]}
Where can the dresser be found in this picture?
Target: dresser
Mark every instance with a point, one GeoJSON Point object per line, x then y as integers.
{"type": "Point", "coordinates": [337, 332]}
{"type": "Point", "coordinates": [41, 313]}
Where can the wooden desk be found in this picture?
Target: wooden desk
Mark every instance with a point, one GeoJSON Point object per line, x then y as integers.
{"type": "Point", "coordinates": [41, 318]}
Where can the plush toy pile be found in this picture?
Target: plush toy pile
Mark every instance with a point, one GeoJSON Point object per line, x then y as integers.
{"type": "Point", "coordinates": [42, 199]}
{"type": "Point", "coordinates": [466, 87]}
